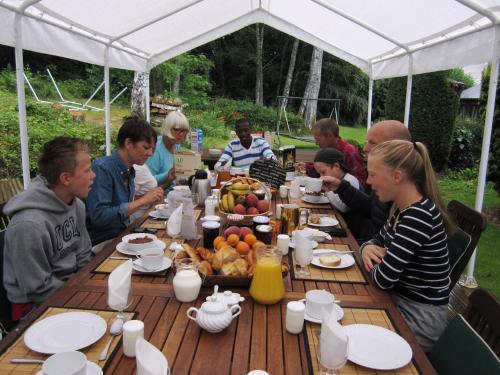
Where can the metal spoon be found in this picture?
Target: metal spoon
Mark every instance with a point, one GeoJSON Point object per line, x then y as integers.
{"type": "Point", "coordinates": [114, 330]}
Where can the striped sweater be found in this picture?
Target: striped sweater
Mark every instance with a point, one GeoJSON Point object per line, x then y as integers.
{"type": "Point", "coordinates": [242, 157]}
{"type": "Point", "coordinates": [416, 263]}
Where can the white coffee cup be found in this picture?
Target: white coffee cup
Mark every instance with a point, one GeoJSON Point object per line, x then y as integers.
{"type": "Point", "coordinates": [283, 191]}
{"type": "Point", "coordinates": [314, 184]}
{"type": "Point", "coordinates": [317, 301]}
{"type": "Point", "coordinates": [283, 243]}
{"type": "Point", "coordinates": [151, 258]}
{"type": "Point", "coordinates": [65, 363]}
{"type": "Point", "coordinates": [162, 209]}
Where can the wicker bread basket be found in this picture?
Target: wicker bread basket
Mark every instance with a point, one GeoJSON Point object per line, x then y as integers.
{"type": "Point", "coordinates": [254, 186]}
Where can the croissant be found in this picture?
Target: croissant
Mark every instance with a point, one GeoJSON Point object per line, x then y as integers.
{"type": "Point", "coordinates": [205, 253]}
{"type": "Point", "coordinates": [193, 254]}
{"type": "Point", "coordinates": [205, 268]}
{"type": "Point", "coordinates": [223, 256]}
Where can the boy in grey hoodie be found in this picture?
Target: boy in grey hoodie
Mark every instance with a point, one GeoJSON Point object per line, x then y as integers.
{"type": "Point", "coordinates": [46, 240]}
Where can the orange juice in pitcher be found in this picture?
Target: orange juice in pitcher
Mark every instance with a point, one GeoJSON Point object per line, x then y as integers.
{"type": "Point", "coordinates": [267, 284]}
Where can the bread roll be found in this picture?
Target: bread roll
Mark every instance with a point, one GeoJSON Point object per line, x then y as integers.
{"type": "Point", "coordinates": [330, 260]}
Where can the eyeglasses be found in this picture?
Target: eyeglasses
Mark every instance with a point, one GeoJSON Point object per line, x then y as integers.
{"type": "Point", "coordinates": [179, 130]}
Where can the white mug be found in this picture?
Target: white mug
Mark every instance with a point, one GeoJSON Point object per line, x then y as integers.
{"type": "Point", "coordinates": [151, 258]}
{"type": "Point", "coordinates": [314, 184]}
{"type": "Point", "coordinates": [283, 191]}
{"type": "Point", "coordinates": [65, 363]}
{"type": "Point", "coordinates": [318, 300]}
{"type": "Point", "coordinates": [283, 243]}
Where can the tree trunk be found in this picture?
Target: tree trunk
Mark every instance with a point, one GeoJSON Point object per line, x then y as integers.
{"type": "Point", "coordinates": [289, 75]}
{"type": "Point", "coordinates": [308, 107]}
{"type": "Point", "coordinates": [138, 95]}
{"type": "Point", "coordinates": [259, 92]}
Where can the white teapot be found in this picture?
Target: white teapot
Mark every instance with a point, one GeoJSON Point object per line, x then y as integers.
{"type": "Point", "coordinates": [214, 316]}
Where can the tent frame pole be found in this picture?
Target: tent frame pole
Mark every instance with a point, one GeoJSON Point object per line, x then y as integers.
{"type": "Point", "coordinates": [370, 96]}
{"type": "Point", "coordinates": [107, 110]}
{"type": "Point", "coordinates": [146, 98]}
{"type": "Point", "coordinates": [469, 281]}
{"type": "Point", "coordinates": [21, 98]}
{"type": "Point", "coordinates": [409, 82]}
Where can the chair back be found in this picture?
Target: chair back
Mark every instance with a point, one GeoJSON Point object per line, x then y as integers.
{"type": "Point", "coordinates": [471, 222]}
{"type": "Point", "coordinates": [461, 351]}
{"type": "Point", "coordinates": [5, 305]}
{"type": "Point", "coordinates": [4, 219]}
{"type": "Point", "coordinates": [483, 314]}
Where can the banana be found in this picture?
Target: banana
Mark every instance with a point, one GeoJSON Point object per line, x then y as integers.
{"type": "Point", "coordinates": [225, 204]}
{"type": "Point", "coordinates": [230, 201]}
{"type": "Point", "coordinates": [240, 186]}
{"type": "Point", "coordinates": [238, 192]}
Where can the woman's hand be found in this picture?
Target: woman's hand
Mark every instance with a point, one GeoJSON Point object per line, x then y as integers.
{"type": "Point", "coordinates": [372, 255]}
{"type": "Point", "coordinates": [170, 176]}
{"type": "Point", "coordinates": [330, 183]}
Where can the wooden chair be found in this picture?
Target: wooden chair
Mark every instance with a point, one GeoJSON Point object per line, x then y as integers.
{"type": "Point", "coordinates": [4, 219]}
{"type": "Point", "coordinates": [471, 222]}
{"type": "Point", "coordinates": [483, 314]}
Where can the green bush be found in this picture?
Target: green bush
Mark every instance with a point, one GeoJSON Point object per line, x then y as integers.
{"type": "Point", "coordinates": [44, 123]}
{"type": "Point", "coordinates": [433, 110]}
{"type": "Point", "coordinates": [466, 144]}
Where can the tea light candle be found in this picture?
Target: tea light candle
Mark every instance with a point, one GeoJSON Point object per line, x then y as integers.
{"type": "Point", "coordinates": [295, 316]}
{"type": "Point", "coordinates": [131, 331]}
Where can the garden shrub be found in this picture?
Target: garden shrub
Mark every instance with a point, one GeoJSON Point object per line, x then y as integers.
{"type": "Point", "coordinates": [466, 144]}
{"type": "Point", "coordinates": [433, 110]}
{"type": "Point", "coordinates": [44, 123]}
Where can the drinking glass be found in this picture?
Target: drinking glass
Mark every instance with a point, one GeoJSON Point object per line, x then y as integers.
{"type": "Point", "coordinates": [195, 199]}
{"type": "Point", "coordinates": [334, 361]}
{"type": "Point", "coordinates": [303, 257]}
{"type": "Point", "coordinates": [119, 307]}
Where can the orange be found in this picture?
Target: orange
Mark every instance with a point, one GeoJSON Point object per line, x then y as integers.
{"type": "Point", "coordinates": [220, 245]}
{"type": "Point", "coordinates": [217, 240]}
{"type": "Point", "coordinates": [233, 239]}
{"type": "Point", "coordinates": [258, 245]}
{"type": "Point", "coordinates": [243, 248]}
{"type": "Point", "coordinates": [250, 239]}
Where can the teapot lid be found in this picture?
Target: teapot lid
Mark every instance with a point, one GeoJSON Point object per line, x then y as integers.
{"type": "Point", "coordinates": [229, 298]}
{"type": "Point", "coordinates": [212, 306]}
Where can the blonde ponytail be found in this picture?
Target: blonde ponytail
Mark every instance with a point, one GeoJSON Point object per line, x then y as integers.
{"type": "Point", "coordinates": [413, 159]}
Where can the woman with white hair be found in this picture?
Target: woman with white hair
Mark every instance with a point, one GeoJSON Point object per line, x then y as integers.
{"type": "Point", "coordinates": [174, 130]}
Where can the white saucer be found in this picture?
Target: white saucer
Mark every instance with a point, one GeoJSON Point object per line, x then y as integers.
{"type": "Point", "coordinates": [122, 247]}
{"type": "Point", "coordinates": [156, 215]}
{"type": "Point", "coordinates": [316, 200]}
{"type": "Point", "coordinates": [92, 369]}
{"type": "Point", "coordinates": [324, 221]}
{"type": "Point", "coordinates": [137, 265]}
{"type": "Point", "coordinates": [338, 310]}
{"type": "Point", "coordinates": [314, 244]}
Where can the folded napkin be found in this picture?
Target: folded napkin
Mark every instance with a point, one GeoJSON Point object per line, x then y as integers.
{"type": "Point", "coordinates": [119, 286]}
{"type": "Point", "coordinates": [174, 222]}
{"type": "Point", "coordinates": [150, 361]}
{"type": "Point", "coordinates": [333, 341]}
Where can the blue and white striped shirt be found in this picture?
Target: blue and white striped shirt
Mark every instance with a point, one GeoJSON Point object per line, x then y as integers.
{"type": "Point", "coordinates": [242, 157]}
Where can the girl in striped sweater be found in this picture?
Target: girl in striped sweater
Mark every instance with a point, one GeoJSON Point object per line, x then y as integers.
{"type": "Point", "coordinates": [409, 256]}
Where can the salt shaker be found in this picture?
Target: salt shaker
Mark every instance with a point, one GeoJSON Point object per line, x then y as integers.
{"type": "Point", "coordinates": [283, 243]}
{"type": "Point", "coordinates": [131, 331]}
{"type": "Point", "coordinates": [295, 316]}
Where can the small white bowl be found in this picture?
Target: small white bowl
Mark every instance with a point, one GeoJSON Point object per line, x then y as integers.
{"type": "Point", "coordinates": [138, 246]}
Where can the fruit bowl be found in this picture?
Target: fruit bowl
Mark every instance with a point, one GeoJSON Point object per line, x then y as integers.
{"type": "Point", "coordinates": [237, 197]}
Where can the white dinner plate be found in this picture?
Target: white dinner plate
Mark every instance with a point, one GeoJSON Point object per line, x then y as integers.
{"type": "Point", "coordinates": [320, 200]}
{"type": "Point", "coordinates": [325, 221]}
{"type": "Point", "coordinates": [65, 332]}
{"type": "Point", "coordinates": [156, 215]}
{"type": "Point", "coordinates": [122, 247]}
{"type": "Point", "coordinates": [137, 265]}
{"type": "Point", "coordinates": [92, 369]}
{"type": "Point", "coordinates": [376, 347]}
{"type": "Point", "coordinates": [292, 244]}
{"type": "Point", "coordinates": [339, 311]}
{"type": "Point", "coordinates": [346, 260]}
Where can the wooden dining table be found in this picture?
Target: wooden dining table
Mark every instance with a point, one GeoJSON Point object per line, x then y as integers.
{"type": "Point", "coordinates": [257, 339]}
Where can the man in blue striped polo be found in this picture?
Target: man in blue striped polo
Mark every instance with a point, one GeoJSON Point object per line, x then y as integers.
{"type": "Point", "coordinates": [242, 152]}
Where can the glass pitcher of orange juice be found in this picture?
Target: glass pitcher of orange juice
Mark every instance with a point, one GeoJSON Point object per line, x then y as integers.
{"type": "Point", "coordinates": [267, 284]}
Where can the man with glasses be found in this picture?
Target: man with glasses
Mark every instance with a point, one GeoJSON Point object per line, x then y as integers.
{"type": "Point", "coordinates": [174, 130]}
{"type": "Point", "coordinates": [111, 200]}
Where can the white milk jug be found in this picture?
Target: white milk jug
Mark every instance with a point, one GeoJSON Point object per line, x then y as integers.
{"type": "Point", "coordinates": [187, 280]}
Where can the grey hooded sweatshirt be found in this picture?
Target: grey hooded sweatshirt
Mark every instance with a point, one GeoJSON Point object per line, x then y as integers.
{"type": "Point", "coordinates": [45, 243]}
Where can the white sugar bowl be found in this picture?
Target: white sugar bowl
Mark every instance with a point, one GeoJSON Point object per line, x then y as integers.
{"type": "Point", "coordinates": [228, 297]}
{"type": "Point", "coordinates": [213, 316]}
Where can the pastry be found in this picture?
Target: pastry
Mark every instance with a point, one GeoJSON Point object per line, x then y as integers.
{"type": "Point", "coordinates": [330, 260]}
{"type": "Point", "coordinates": [205, 268]}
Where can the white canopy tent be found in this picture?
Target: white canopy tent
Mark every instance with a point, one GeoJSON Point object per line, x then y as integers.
{"type": "Point", "coordinates": [384, 38]}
